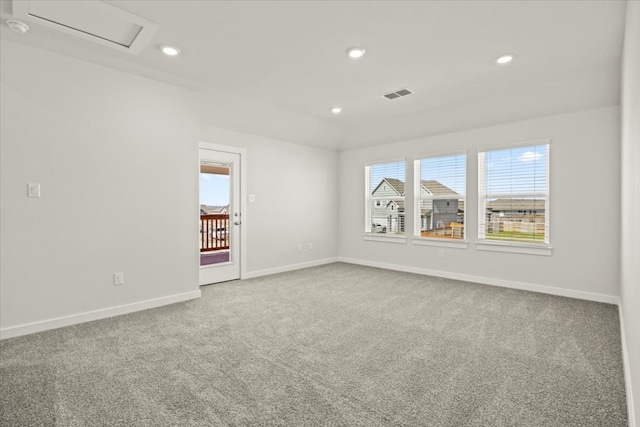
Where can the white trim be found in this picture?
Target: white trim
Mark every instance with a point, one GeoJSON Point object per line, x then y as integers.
{"type": "Point", "coordinates": [368, 196]}
{"type": "Point", "coordinates": [417, 189]}
{"type": "Point", "coordinates": [445, 243]}
{"type": "Point", "coordinates": [243, 196]}
{"type": "Point", "coordinates": [551, 290]}
{"type": "Point", "coordinates": [547, 199]}
{"type": "Point", "coordinates": [59, 322]}
{"type": "Point", "coordinates": [514, 248]}
{"type": "Point", "coordinates": [483, 195]}
{"type": "Point", "coordinates": [291, 267]}
{"type": "Point", "coordinates": [627, 371]}
{"type": "Point", "coordinates": [376, 237]}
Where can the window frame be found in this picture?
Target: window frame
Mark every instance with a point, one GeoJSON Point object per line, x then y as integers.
{"type": "Point", "coordinates": [417, 238]}
{"type": "Point", "coordinates": [368, 199]}
{"type": "Point", "coordinates": [497, 245]}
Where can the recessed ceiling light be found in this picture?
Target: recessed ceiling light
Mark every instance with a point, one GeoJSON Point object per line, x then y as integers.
{"type": "Point", "coordinates": [355, 52]}
{"type": "Point", "coordinates": [170, 50]}
{"type": "Point", "coordinates": [505, 59]}
{"type": "Point", "coordinates": [336, 110]}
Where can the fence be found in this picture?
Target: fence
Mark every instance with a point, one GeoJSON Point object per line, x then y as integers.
{"type": "Point", "coordinates": [531, 225]}
{"type": "Point", "coordinates": [523, 227]}
{"type": "Point", "coordinates": [214, 232]}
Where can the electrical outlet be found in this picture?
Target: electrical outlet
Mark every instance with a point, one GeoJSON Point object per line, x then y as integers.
{"type": "Point", "coordinates": [118, 279]}
{"type": "Point", "coordinates": [310, 246]}
{"type": "Point", "coordinates": [441, 253]}
{"type": "Point", "coordinates": [299, 247]}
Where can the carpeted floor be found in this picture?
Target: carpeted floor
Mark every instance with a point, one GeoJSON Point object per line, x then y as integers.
{"type": "Point", "coordinates": [336, 345]}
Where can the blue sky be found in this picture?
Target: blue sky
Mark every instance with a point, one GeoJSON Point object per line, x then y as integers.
{"type": "Point", "coordinates": [214, 189]}
{"type": "Point", "coordinates": [386, 170]}
{"type": "Point", "coordinates": [447, 170]}
{"type": "Point", "coordinates": [517, 170]}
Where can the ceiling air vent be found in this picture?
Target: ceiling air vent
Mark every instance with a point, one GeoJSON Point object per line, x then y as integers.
{"type": "Point", "coordinates": [91, 20]}
{"type": "Point", "coordinates": [398, 94]}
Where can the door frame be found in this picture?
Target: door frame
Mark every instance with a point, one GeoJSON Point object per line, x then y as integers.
{"type": "Point", "coordinates": [242, 197]}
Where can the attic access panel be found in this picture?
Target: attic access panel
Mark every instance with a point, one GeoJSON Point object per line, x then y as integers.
{"type": "Point", "coordinates": [91, 20]}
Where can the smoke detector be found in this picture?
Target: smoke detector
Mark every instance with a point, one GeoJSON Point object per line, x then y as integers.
{"type": "Point", "coordinates": [18, 27]}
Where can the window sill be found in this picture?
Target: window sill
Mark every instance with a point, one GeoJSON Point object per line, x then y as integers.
{"type": "Point", "coordinates": [445, 243]}
{"type": "Point", "coordinates": [518, 248]}
{"type": "Point", "coordinates": [385, 238]}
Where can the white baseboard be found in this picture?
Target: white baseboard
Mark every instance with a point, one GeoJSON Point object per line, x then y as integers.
{"type": "Point", "coordinates": [59, 322]}
{"type": "Point", "coordinates": [291, 267]}
{"type": "Point", "coordinates": [610, 299]}
{"type": "Point", "coordinates": [627, 371]}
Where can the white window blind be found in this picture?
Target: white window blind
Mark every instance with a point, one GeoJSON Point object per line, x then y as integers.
{"type": "Point", "coordinates": [439, 189]}
{"type": "Point", "coordinates": [385, 197]}
{"type": "Point", "coordinates": [513, 195]}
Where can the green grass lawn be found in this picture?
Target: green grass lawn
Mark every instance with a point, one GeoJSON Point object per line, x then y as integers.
{"type": "Point", "coordinates": [516, 236]}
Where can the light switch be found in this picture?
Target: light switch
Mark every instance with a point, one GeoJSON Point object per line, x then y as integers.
{"type": "Point", "coordinates": [33, 189]}
{"type": "Point", "coordinates": [252, 197]}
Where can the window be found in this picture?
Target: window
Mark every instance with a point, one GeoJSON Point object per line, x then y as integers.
{"type": "Point", "coordinates": [385, 198]}
{"type": "Point", "coordinates": [440, 187]}
{"type": "Point", "coordinates": [513, 195]}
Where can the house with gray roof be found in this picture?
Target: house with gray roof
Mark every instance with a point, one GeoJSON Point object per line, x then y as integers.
{"type": "Point", "coordinates": [209, 210]}
{"type": "Point", "coordinates": [437, 213]}
{"type": "Point", "coordinates": [516, 207]}
{"type": "Point", "coordinates": [389, 212]}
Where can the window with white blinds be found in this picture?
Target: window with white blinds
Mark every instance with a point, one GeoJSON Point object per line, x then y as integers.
{"type": "Point", "coordinates": [513, 195]}
{"type": "Point", "coordinates": [385, 196]}
{"type": "Point", "coordinates": [439, 189]}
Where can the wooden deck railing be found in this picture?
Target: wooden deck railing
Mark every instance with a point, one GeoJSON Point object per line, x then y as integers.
{"type": "Point", "coordinates": [214, 232]}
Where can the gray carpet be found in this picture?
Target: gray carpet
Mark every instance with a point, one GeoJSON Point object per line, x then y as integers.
{"type": "Point", "coordinates": [337, 345]}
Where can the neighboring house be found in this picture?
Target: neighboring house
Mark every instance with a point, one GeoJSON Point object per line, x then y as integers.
{"type": "Point", "coordinates": [389, 213]}
{"type": "Point", "coordinates": [437, 213]}
{"type": "Point", "coordinates": [209, 210]}
{"type": "Point", "coordinates": [518, 210]}
{"type": "Point", "coordinates": [516, 207]}
{"type": "Point", "coordinates": [521, 215]}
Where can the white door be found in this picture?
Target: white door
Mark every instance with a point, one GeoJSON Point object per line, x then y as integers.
{"type": "Point", "coordinates": [219, 216]}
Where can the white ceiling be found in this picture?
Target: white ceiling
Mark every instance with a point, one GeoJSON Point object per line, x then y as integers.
{"type": "Point", "coordinates": [290, 55]}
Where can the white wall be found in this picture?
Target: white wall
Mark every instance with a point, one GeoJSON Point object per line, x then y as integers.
{"type": "Point", "coordinates": [116, 156]}
{"type": "Point", "coordinates": [296, 197]}
{"type": "Point", "coordinates": [594, 86]}
{"type": "Point", "coordinates": [584, 171]}
{"type": "Point", "coordinates": [630, 266]}
{"type": "Point", "coordinates": [235, 112]}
